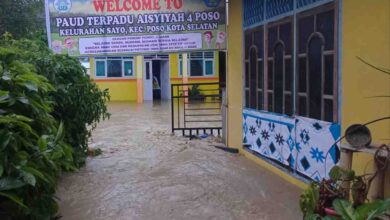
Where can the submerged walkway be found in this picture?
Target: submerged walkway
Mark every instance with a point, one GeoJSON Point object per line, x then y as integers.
{"type": "Point", "coordinates": [146, 173]}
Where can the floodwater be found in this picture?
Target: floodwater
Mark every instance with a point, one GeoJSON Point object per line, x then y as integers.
{"type": "Point", "coordinates": [147, 173]}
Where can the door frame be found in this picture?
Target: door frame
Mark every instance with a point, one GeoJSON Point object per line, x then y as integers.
{"type": "Point", "coordinates": [148, 85]}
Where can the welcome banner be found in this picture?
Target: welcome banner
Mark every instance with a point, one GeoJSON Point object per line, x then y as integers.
{"type": "Point", "coordinates": [101, 27]}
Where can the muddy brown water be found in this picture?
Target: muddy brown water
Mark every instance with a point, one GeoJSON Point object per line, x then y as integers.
{"type": "Point", "coordinates": [147, 173]}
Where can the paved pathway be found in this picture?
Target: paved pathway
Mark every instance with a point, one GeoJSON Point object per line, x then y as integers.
{"type": "Point", "coordinates": [146, 173]}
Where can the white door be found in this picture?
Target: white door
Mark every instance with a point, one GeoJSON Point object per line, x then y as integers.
{"type": "Point", "coordinates": [148, 81]}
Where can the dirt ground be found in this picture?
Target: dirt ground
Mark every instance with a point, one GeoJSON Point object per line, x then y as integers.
{"type": "Point", "coordinates": [146, 173]}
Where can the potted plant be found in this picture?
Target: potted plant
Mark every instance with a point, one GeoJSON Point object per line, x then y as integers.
{"type": "Point", "coordinates": [329, 199]}
{"type": "Point", "coordinates": [195, 94]}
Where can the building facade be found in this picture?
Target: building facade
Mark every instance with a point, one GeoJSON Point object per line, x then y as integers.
{"type": "Point", "coordinates": [296, 81]}
{"type": "Point", "coordinates": [149, 77]}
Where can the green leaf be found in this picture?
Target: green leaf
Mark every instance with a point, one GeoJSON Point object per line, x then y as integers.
{"type": "Point", "coordinates": [330, 218]}
{"type": "Point", "coordinates": [31, 86]}
{"type": "Point", "coordinates": [42, 144]}
{"type": "Point", "coordinates": [339, 174]}
{"type": "Point", "coordinates": [1, 170]}
{"type": "Point", "coordinates": [345, 209]}
{"type": "Point", "coordinates": [8, 183]}
{"type": "Point", "coordinates": [22, 156]}
{"type": "Point", "coordinates": [13, 198]}
{"type": "Point", "coordinates": [28, 178]}
{"type": "Point", "coordinates": [335, 173]}
{"type": "Point", "coordinates": [4, 140]}
{"type": "Point", "coordinates": [372, 210]}
{"type": "Point", "coordinates": [23, 100]}
{"type": "Point", "coordinates": [37, 173]}
{"type": "Point", "coordinates": [4, 95]}
{"type": "Point", "coordinates": [56, 155]}
{"type": "Point", "coordinates": [60, 133]}
{"type": "Point", "coordinates": [309, 199]}
{"type": "Point", "coordinates": [312, 217]}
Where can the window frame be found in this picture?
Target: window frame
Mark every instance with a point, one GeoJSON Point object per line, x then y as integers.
{"type": "Point", "coordinates": [294, 58]}
{"type": "Point", "coordinates": [180, 66]}
{"type": "Point", "coordinates": [122, 59]}
{"type": "Point", "coordinates": [204, 59]}
{"type": "Point", "coordinates": [335, 97]}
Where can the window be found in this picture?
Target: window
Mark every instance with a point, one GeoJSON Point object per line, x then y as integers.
{"type": "Point", "coordinates": [180, 68]}
{"type": "Point", "coordinates": [254, 68]}
{"type": "Point", "coordinates": [280, 68]}
{"type": "Point", "coordinates": [316, 96]}
{"type": "Point", "coordinates": [114, 67]}
{"type": "Point", "coordinates": [272, 83]}
{"type": "Point", "coordinates": [201, 64]}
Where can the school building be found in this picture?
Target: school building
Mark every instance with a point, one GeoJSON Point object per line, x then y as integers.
{"type": "Point", "coordinates": [295, 80]}
{"type": "Point", "coordinates": [149, 77]}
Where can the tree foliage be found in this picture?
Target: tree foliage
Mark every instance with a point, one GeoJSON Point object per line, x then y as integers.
{"type": "Point", "coordinates": [48, 107]}
{"type": "Point", "coordinates": [22, 18]}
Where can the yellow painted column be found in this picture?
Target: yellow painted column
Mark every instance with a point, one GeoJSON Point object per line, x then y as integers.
{"type": "Point", "coordinates": [366, 34]}
{"type": "Point", "coordinates": [234, 75]}
{"type": "Point", "coordinates": [92, 68]}
{"type": "Point", "coordinates": [185, 74]}
{"type": "Point", "coordinates": [185, 67]}
{"type": "Point", "coordinates": [139, 70]}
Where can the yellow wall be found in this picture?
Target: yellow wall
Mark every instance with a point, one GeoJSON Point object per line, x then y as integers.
{"type": "Point", "coordinates": [176, 79]}
{"type": "Point", "coordinates": [366, 33]}
{"type": "Point", "coordinates": [120, 89]}
{"type": "Point", "coordinates": [234, 74]}
{"type": "Point", "coordinates": [126, 89]}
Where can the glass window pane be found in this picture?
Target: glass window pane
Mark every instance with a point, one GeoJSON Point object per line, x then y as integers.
{"type": "Point", "coordinates": [114, 68]}
{"type": "Point", "coordinates": [302, 75]}
{"type": "Point", "coordinates": [286, 36]}
{"type": "Point", "coordinates": [328, 108]}
{"type": "Point", "coordinates": [279, 69]}
{"type": "Point", "coordinates": [305, 29]}
{"type": "Point", "coordinates": [209, 67]}
{"type": "Point", "coordinates": [259, 100]}
{"type": "Point", "coordinates": [196, 67]}
{"type": "Point", "coordinates": [128, 68]}
{"type": "Point", "coordinates": [260, 75]}
{"type": "Point", "coordinates": [100, 68]}
{"type": "Point", "coordinates": [180, 67]}
{"type": "Point", "coordinates": [302, 108]}
{"type": "Point", "coordinates": [208, 54]}
{"type": "Point", "coordinates": [315, 78]}
{"type": "Point", "coordinates": [259, 41]}
{"type": "Point", "coordinates": [253, 77]}
{"type": "Point", "coordinates": [248, 43]}
{"type": "Point", "coordinates": [270, 75]}
{"type": "Point", "coordinates": [270, 102]}
{"type": "Point", "coordinates": [272, 39]}
{"type": "Point", "coordinates": [325, 25]}
{"type": "Point", "coordinates": [288, 79]}
{"type": "Point", "coordinates": [288, 104]}
{"type": "Point", "coordinates": [247, 74]}
{"type": "Point", "coordinates": [196, 55]}
{"type": "Point", "coordinates": [247, 97]}
{"type": "Point", "coordinates": [328, 75]}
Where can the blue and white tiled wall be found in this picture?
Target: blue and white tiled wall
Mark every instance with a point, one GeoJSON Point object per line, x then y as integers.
{"type": "Point", "coordinates": [305, 145]}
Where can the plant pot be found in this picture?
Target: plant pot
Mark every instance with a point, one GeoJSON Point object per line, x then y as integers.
{"type": "Point", "coordinates": [331, 212]}
{"type": "Point", "coordinates": [358, 136]}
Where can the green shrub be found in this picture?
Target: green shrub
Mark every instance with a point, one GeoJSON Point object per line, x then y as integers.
{"type": "Point", "coordinates": [48, 107]}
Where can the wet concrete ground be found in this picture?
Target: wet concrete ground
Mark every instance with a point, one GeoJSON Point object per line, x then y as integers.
{"type": "Point", "coordinates": [146, 173]}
